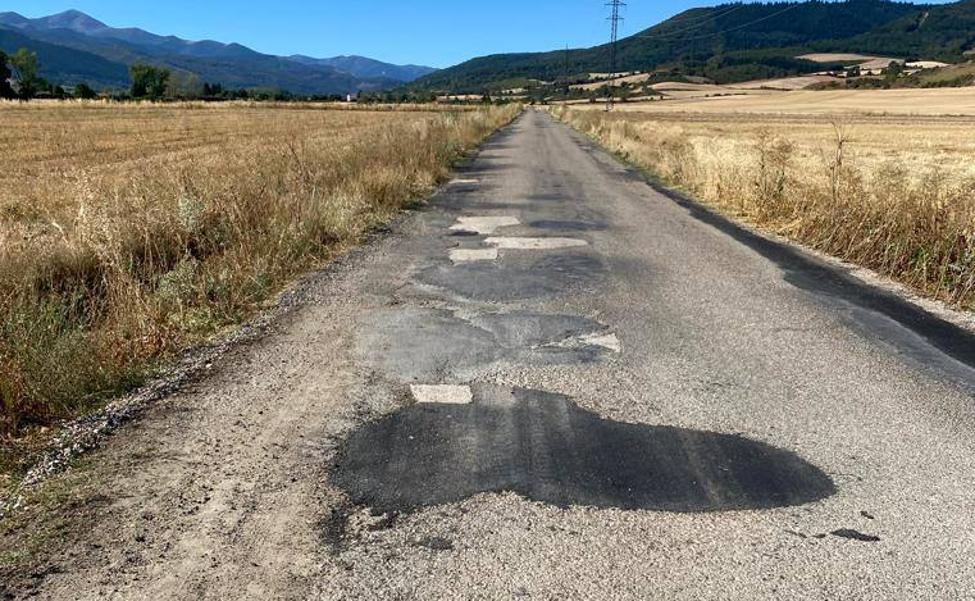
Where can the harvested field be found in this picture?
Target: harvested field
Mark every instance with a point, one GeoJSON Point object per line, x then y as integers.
{"type": "Point", "coordinates": [839, 57]}
{"type": "Point", "coordinates": [629, 79]}
{"type": "Point", "coordinates": [784, 83]}
{"type": "Point", "coordinates": [130, 231]}
{"type": "Point", "coordinates": [757, 87]}
{"type": "Point", "coordinates": [904, 101]}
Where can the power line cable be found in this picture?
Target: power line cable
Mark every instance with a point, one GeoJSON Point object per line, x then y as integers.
{"type": "Point", "coordinates": [696, 24]}
{"type": "Point", "coordinates": [739, 27]}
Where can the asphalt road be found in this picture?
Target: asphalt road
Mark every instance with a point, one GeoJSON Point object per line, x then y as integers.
{"type": "Point", "coordinates": [553, 383]}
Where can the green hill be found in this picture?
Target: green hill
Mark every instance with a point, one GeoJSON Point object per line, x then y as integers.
{"type": "Point", "coordinates": [735, 42]}
{"type": "Point", "coordinates": [941, 33]}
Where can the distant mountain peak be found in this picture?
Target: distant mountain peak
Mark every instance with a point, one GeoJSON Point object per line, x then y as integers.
{"type": "Point", "coordinates": [363, 66]}
{"type": "Point", "coordinates": [74, 20]}
{"type": "Point", "coordinates": [13, 19]}
{"type": "Point", "coordinates": [72, 13]}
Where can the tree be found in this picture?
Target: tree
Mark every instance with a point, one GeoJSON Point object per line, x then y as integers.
{"type": "Point", "coordinates": [186, 86]}
{"type": "Point", "coordinates": [212, 90]}
{"type": "Point", "coordinates": [894, 70]}
{"type": "Point", "coordinates": [26, 68]}
{"type": "Point", "coordinates": [83, 91]}
{"type": "Point", "coordinates": [148, 81]}
{"type": "Point", "coordinates": [6, 90]}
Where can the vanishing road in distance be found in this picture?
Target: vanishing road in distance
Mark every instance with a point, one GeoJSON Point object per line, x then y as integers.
{"type": "Point", "coordinates": [555, 382]}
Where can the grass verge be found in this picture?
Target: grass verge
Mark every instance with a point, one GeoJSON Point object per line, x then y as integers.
{"type": "Point", "coordinates": [129, 232]}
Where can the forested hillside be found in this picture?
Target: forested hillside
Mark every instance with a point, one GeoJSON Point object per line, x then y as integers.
{"type": "Point", "coordinates": [737, 42]}
{"type": "Point", "coordinates": [941, 33]}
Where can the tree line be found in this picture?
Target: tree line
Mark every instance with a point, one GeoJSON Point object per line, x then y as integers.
{"type": "Point", "coordinates": [20, 80]}
{"type": "Point", "coordinates": [155, 83]}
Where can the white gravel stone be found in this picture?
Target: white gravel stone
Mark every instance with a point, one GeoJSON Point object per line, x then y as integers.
{"type": "Point", "coordinates": [534, 243]}
{"type": "Point", "coordinates": [468, 255]}
{"type": "Point", "coordinates": [483, 225]}
{"type": "Point", "coordinates": [442, 393]}
{"type": "Point", "coordinates": [607, 341]}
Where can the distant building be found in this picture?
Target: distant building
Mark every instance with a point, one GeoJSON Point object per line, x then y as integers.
{"type": "Point", "coordinates": [460, 98]}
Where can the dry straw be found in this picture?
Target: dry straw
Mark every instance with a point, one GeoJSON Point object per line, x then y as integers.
{"type": "Point", "coordinates": [129, 231]}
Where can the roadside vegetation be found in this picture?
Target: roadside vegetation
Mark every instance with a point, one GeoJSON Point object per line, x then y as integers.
{"type": "Point", "coordinates": [128, 232]}
{"type": "Point", "coordinates": [896, 195]}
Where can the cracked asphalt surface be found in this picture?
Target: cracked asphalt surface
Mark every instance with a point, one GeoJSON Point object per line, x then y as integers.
{"type": "Point", "coordinates": [668, 407]}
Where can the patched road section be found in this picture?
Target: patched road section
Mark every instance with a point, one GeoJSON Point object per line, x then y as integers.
{"type": "Point", "coordinates": [544, 447]}
{"type": "Point", "coordinates": [502, 301]}
{"type": "Point", "coordinates": [582, 389]}
{"type": "Point", "coordinates": [518, 277]}
{"type": "Point", "coordinates": [413, 344]}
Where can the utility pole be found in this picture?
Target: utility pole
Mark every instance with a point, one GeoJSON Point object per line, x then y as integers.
{"type": "Point", "coordinates": [614, 20]}
{"type": "Point", "coordinates": [565, 70]}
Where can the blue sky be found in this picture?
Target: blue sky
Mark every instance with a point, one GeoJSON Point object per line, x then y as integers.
{"type": "Point", "coordinates": [435, 33]}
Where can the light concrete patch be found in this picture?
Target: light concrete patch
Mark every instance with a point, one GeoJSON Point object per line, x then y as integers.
{"type": "Point", "coordinates": [442, 394]}
{"type": "Point", "coordinates": [607, 341]}
{"type": "Point", "coordinates": [535, 243]}
{"type": "Point", "coordinates": [467, 255]}
{"type": "Point", "coordinates": [483, 225]}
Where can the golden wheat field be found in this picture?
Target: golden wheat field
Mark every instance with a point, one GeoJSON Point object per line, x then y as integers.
{"type": "Point", "coordinates": [130, 231]}
{"type": "Point", "coordinates": [752, 98]}
{"type": "Point", "coordinates": [895, 194]}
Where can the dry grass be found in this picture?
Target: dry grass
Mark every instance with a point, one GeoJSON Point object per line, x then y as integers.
{"type": "Point", "coordinates": [128, 232]}
{"type": "Point", "coordinates": [893, 194]}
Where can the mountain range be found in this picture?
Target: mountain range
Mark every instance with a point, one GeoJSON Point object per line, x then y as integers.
{"type": "Point", "coordinates": [726, 43]}
{"type": "Point", "coordinates": [738, 42]}
{"type": "Point", "coordinates": [74, 47]}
